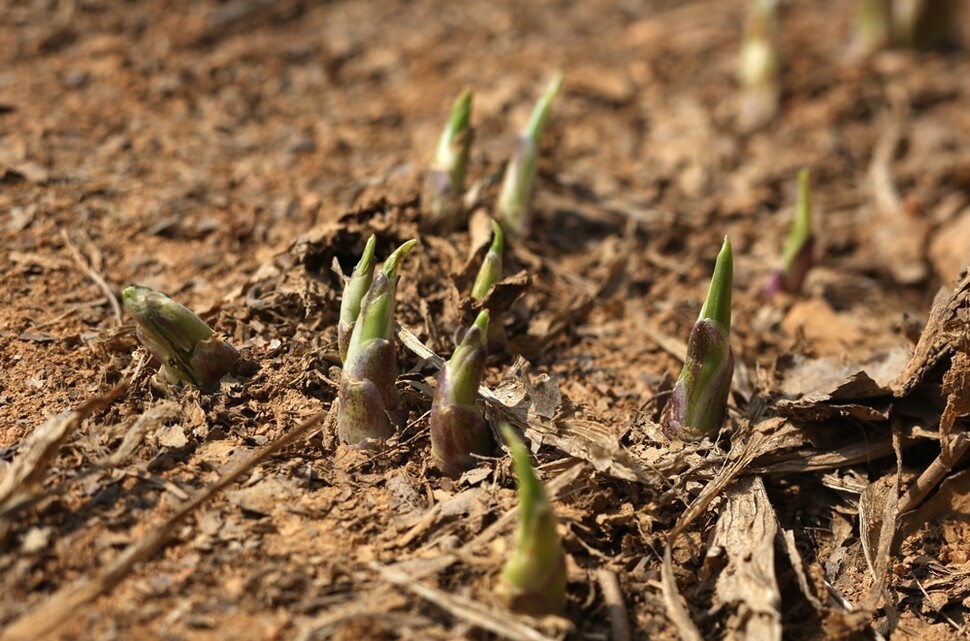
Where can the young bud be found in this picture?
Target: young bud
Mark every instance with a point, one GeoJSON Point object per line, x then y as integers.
{"type": "Point", "coordinates": [698, 402]}
{"type": "Point", "coordinates": [758, 71]}
{"type": "Point", "coordinates": [798, 257]}
{"type": "Point", "coordinates": [446, 179]}
{"type": "Point", "coordinates": [533, 580]}
{"type": "Point", "coordinates": [367, 392]}
{"type": "Point", "coordinates": [187, 348]}
{"type": "Point", "coordinates": [489, 274]}
{"type": "Point", "coordinates": [513, 202]}
{"type": "Point", "coordinates": [354, 291]}
{"type": "Point", "coordinates": [458, 429]}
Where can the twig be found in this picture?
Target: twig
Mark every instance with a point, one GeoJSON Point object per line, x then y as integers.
{"type": "Point", "coordinates": [95, 276]}
{"type": "Point", "coordinates": [936, 608]}
{"type": "Point", "coordinates": [884, 192]}
{"type": "Point", "coordinates": [814, 461]}
{"type": "Point", "coordinates": [933, 474]}
{"type": "Point", "coordinates": [503, 624]}
{"type": "Point", "coordinates": [619, 619]}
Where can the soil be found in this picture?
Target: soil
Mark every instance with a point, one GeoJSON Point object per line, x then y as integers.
{"type": "Point", "coordinates": [230, 154]}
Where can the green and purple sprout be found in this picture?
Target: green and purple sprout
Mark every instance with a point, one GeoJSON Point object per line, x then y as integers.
{"type": "Point", "coordinates": [799, 248]}
{"type": "Point", "coordinates": [187, 348]}
{"type": "Point", "coordinates": [446, 178]}
{"type": "Point", "coordinates": [698, 403]}
{"type": "Point", "coordinates": [758, 72]}
{"type": "Point", "coordinates": [354, 291]}
{"type": "Point", "coordinates": [533, 580]}
{"type": "Point", "coordinates": [458, 429]}
{"type": "Point", "coordinates": [489, 274]}
{"type": "Point", "coordinates": [513, 201]}
{"type": "Point", "coordinates": [367, 390]}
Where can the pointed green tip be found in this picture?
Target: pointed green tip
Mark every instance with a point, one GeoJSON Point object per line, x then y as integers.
{"type": "Point", "coordinates": [481, 322]}
{"type": "Point", "coordinates": [531, 491]}
{"type": "Point", "coordinates": [498, 239]}
{"type": "Point", "coordinates": [393, 262]}
{"type": "Point", "coordinates": [156, 313]}
{"type": "Point", "coordinates": [128, 295]}
{"type": "Point", "coordinates": [491, 270]}
{"type": "Point", "coordinates": [540, 114]}
{"type": "Point", "coordinates": [136, 297]}
{"type": "Point", "coordinates": [717, 305]}
{"type": "Point", "coordinates": [367, 257]}
{"type": "Point", "coordinates": [466, 367]}
{"type": "Point", "coordinates": [802, 227]}
{"type": "Point", "coordinates": [554, 85]}
{"type": "Point", "coordinates": [356, 287]}
{"type": "Point", "coordinates": [461, 112]}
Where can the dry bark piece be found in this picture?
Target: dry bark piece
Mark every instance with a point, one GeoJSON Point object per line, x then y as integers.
{"type": "Point", "coordinates": [825, 388]}
{"type": "Point", "coordinates": [745, 533]}
{"type": "Point", "coordinates": [948, 317]}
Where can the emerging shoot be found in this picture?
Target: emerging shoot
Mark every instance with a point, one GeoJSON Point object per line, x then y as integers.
{"type": "Point", "coordinates": [798, 257]}
{"type": "Point", "coordinates": [872, 27]}
{"type": "Point", "coordinates": [354, 292]}
{"type": "Point", "coordinates": [914, 24]}
{"type": "Point", "coordinates": [533, 580]}
{"type": "Point", "coordinates": [923, 24]}
{"type": "Point", "coordinates": [458, 429]}
{"type": "Point", "coordinates": [446, 179]}
{"type": "Point", "coordinates": [367, 391]}
{"type": "Point", "coordinates": [698, 402]}
{"type": "Point", "coordinates": [489, 274]}
{"type": "Point", "coordinates": [513, 201]}
{"type": "Point", "coordinates": [758, 73]}
{"type": "Point", "coordinates": [187, 348]}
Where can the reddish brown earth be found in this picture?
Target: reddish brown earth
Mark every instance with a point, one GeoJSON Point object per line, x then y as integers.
{"type": "Point", "coordinates": [226, 154]}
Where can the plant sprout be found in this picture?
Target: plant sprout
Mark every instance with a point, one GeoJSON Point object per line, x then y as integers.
{"type": "Point", "coordinates": [187, 348]}
{"type": "Point", "coordinates": [458, 429]}
{"type": "Point", "coordinates": [489, 274]}
{"type": "Point", "coordinates": [446, 179]}
{"type": "Point", "coordinates": [872, 27]}
{"type": "Point", "coordinates": [798, 257]}
{"type": "Point", "coordinates": [922, 24]}
{"type": "Point", "coordinates": [513, 201]}
{"type": "Point", "coordinates": [533, 580]}
{"type": "Point", "coordinates": [915, 24]}
{"type": "Point", "coordinates": [698, 402]}
{"type": "Point", "coordinates": [367, 391]}
{"type": "Point", "coordinates": [758, 73]}
{"type": "Point", "coordinates": [354, 291]}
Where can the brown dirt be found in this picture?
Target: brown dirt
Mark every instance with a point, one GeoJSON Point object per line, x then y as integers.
{"type": "Point", "coordinates": [227, 153]}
